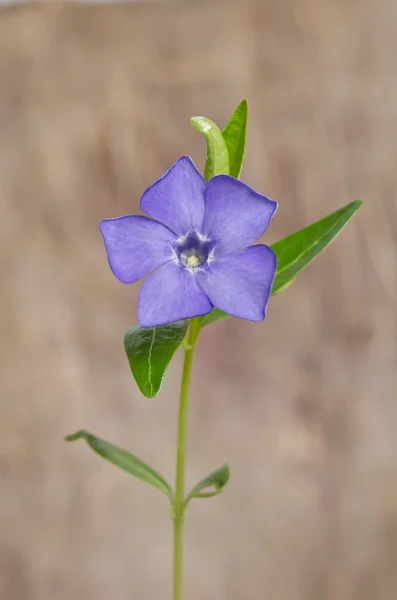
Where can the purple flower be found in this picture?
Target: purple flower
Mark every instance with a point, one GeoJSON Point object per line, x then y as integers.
{"type": "Point", "coordinates": [196, 246]}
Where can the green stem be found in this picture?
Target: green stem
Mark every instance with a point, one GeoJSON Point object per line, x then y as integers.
{"type": "Point", "coordinates": [179, 506]}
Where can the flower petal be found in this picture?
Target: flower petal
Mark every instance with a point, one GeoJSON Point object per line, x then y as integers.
{"type": "Point", "coordinates": [171, 294]}
{"type": "Point", "coordinates": [136, 245]}
{"type": "Point", "coordinates": [236, 216]}
{"type": "Point", "coordinates": [240, 283]}
{"type": "Point", "coordinates": [177, 198]}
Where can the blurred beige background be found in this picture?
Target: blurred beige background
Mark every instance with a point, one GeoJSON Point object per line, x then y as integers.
{"type": "Point", "coordinates": [94, 105]}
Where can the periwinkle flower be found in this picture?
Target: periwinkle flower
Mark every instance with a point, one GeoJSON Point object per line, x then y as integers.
{"type": "Point", "coordinates": [196, 247]}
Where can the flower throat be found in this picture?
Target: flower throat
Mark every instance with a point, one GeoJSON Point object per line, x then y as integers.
{"type": "Point", "coordinates": [193, 250]}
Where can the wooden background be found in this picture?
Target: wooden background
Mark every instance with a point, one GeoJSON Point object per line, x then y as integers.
{"type": "Point", "coordinates": [94, 105]}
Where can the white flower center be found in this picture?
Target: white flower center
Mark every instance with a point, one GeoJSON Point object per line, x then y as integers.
{"type": "Point", "coordinates": [193, 261]}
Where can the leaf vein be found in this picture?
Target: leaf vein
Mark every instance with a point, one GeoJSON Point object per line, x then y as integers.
{"type": "Point", "coordinates": [150, 360]}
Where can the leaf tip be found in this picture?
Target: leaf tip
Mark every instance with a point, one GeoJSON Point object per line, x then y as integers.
{"type": "Point", "coordinates": [195, 121]}
{"type": "Point", "coordinates": [202, 124]}
{"type": "Point", "coordinates": [148, 391]}
{"type": "Point", "coordinates": [225, 470]}
{"type": "Point", "coordinates": [244, 104]}
{"type": "Point", "coordinates": [76, 436]}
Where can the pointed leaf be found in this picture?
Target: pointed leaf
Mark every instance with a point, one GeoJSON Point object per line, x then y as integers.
{"type": "Point", "coordinates": [217, 162]}
{"type": "Point", "coordinates": [150, 350]}
{"type": "Point", "coordinates": [123, 459]}
{"type": "Point", "coordinates": [215, 480]}
{"type": "Point", "coordinates": [298, 250]}
{"type": "Point", "coordinates": [234, 135]}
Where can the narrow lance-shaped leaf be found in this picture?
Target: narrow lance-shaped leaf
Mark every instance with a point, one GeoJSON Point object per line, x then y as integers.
{"type": "Point", "coordinates": [234, 135]}
{"type": "Point", "coordinates": [217, 162]}
{"type": "Point", "coordinates": [298, 250]}
{"type": "Point", "coordinates": [150, 350]}
{"type": "Point", "coordinates": [211, 485]}
{"type": "Point", "coordinates": [124, 460]}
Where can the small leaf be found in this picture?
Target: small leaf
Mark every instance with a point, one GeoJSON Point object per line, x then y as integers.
{"type": "Point", "coordinates": [214, 315]}
{"type": "Point", "coordinates": [150, 350]}
{"type": "Point", "coordinates": [123, 459]}
{"type": "Point", "coordinates": [217, 162]}
{"type": "Point", "coordinates": [215, 480]}
{"type": "Point", "coordinates": [296, 251]}
{"type": "Point", "coordinates": [234, 135]}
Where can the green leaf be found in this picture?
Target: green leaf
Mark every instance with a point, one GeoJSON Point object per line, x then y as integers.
{"type": "Point", "coordinates": [123, 459]}
{"type": "Point", "coordinates": [150, 350]}
{"type": "Point", "coordinates": [217, 162]}
{"type": "Point", "coordinates": [296, 251]}
{"type": "Point", "coordinates": [215, 480]}
{"type": "Point", "coordinates": [214, 315]}
{"type": "Point", "coordinates": [234, 135]}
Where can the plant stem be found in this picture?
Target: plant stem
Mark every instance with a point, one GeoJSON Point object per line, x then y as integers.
{"type": "Point", "coordinates": [179, 506]}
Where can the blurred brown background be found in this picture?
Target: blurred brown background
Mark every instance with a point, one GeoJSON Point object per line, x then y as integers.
{"type": "Point", "coordinates": [94, 105]}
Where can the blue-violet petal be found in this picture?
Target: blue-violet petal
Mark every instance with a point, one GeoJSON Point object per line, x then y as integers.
{"type": "Point", "coordinates": [236, 215]}
{"type": "Point", "coordinates": [177, 198]}
{"type": "Point", "coordinates": [240, 283]}
{"type": "Point", "coordinates": [169, 294]}
{"type": "Point", "coordinates": [136, 245]}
